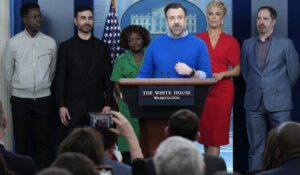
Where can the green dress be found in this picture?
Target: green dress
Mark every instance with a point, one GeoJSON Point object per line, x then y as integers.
{"type": "Point", "coordinates": [125, 67]}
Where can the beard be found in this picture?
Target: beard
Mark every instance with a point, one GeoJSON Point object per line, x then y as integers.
{"type": "Point", "coordinates": [82, 28]}
{"type": "Point", "coordinates": [262, 29]}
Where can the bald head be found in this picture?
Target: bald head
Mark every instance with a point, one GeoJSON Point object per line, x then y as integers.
{"type": "Point", "coordinates": [287, 140]}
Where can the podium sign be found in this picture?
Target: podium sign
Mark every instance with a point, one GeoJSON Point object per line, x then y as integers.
{"type": "Point", "coordinates": [166, 95]}
{"type": "Point", "coordinates": [130, 89]}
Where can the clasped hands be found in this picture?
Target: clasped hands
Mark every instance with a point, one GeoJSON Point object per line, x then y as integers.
{"type": "Point", "coordinates": [182, 68]}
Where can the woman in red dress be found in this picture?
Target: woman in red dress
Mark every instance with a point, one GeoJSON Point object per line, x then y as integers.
{"type": "Point", "coordinates": [224, 51]}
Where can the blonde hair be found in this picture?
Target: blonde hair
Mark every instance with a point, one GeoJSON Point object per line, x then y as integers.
{"type": "Point", "coordinates": [218, 4]}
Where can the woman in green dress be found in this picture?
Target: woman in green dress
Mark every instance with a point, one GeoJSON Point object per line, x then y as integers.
{"type": "Point", "coordinates": [134, 38]}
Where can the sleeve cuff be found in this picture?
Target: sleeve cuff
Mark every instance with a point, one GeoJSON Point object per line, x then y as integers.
{"type": "Point", "coordinates": [202, 74]}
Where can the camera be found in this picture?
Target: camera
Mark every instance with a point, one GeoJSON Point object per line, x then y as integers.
{"type": "Point", "coordinates": [102, 120]}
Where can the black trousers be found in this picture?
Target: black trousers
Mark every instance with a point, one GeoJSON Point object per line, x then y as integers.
{"type": "Point", "coordinates": [78, 121]}
{"type": "Point", "coordinates": [35, 113]}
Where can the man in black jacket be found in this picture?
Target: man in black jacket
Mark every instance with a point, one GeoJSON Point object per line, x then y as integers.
{"type": "Point", "coordinates": [82, 74]}
{"type": "Point", "coordinates": [17, 163]}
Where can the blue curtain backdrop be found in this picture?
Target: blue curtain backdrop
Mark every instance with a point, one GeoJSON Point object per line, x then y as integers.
{"type": "Point", "coordinates": [241, 31]}
{"type": "Point", "coordinates": [293, 33]}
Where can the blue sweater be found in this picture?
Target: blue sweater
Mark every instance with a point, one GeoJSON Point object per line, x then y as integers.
{"type": "Point", "coordinates": [118, 168]}
{"type": "Point", "coordinates": [164, 52]}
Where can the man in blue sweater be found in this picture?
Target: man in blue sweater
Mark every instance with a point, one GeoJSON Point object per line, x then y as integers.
{"type": "Point", "coordinates": [176, 54]}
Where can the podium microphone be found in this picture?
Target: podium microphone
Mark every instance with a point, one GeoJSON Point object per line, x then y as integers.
{"type": "Point", "coordinates": [168, 74]}
{"type": "Point", "coordinates": [161, 75]}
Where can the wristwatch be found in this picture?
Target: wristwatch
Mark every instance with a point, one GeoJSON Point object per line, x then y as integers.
{"type": "Point", "coordinates": [192, 73]}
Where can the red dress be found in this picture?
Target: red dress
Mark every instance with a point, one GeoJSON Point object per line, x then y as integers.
{"type": "Point", "coordinates": [214, 123]}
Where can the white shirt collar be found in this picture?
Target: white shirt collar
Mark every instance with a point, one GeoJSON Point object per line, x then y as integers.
{"type": "Point", "coordinates": [183, 35]}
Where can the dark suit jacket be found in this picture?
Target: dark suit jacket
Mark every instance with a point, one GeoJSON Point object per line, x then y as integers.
{"type": "Point", "coordinates": [290, 167]}
{"type": "Point", "coordinates": [79, 90]}
{"type": "Point", "coordinates": [18, 163]}
{"type": "Point", "coordinates": [213, 164]}
{"type": "Point", "coordinates": [274, 83]}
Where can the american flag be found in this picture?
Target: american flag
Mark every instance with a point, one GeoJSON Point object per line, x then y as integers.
{"type": "Point", "coordinates": [111, 34]}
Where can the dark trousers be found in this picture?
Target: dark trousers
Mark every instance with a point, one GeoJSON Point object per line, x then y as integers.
{"type": "Point", "coordinates": [35, 113]}
{"type": "Point", "coordinates": [78, 120]}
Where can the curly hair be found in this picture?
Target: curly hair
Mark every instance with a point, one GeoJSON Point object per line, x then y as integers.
{"type": "Point", "coordinates": [134, 29]}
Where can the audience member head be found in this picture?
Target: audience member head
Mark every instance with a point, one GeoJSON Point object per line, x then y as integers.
{"type": "Point", "coordinates": [134, 32]}
{"type": "Point", "coordinates": [176, 156]}
{"type": "Point", "coordinates": [287, 141]}
{"type": "Point", "coordinates": [183, 123]}
{"type": "Point", "coordinates": [86, 141]}
{"type": "Point", "coordinates": [270, 160]}
{"type": "Point", "coordinates": [109, 139]}
{"type": "Point", "coordinates": [54, 171]}
{"type": "Point", "coordinates": [76, 163]}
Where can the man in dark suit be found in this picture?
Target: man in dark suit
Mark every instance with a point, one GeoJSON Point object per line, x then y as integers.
{"type": "Point", "coordinates": [18, 163]}
{"type": "Point", "coordinates": [83, 71]}
{"type": "Point", "coordinates": [184, 123]}
{"type": "Point", "coordinates": [287, 143]}
{"type": "Point", "coordinates": [270, 67]}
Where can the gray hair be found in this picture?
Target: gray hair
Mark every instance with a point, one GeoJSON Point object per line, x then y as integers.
{"type": "Point", "coordinates": [176, 156]}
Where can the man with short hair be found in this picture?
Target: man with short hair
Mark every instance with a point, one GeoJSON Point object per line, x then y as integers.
{"type": "Point", "coordinates": [176, 54]}
{"type": "Point", "coordinates": [83, 70]}
{"type": "Point", "coordinates": [29, 64]}
{"type": "Point", "coordinates": [17, 163]}
{"type": "Point", "coordinates": [176, 156]}
{"type": "Point", "coordinates": [184, 123]}
{"type": "Point", "coordinates": [270, 67]}
{"type": "Point", "coordinates": [110, 142]}
{"type": "Point", "coordinates": [287, 143]}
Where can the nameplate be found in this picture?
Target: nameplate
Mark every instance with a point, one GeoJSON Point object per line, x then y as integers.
{"type": "Point", "coordinates": [166, 95]}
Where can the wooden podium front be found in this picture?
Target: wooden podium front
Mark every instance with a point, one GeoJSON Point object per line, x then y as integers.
{"type": "Point", "coordinates": [153, 116]}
